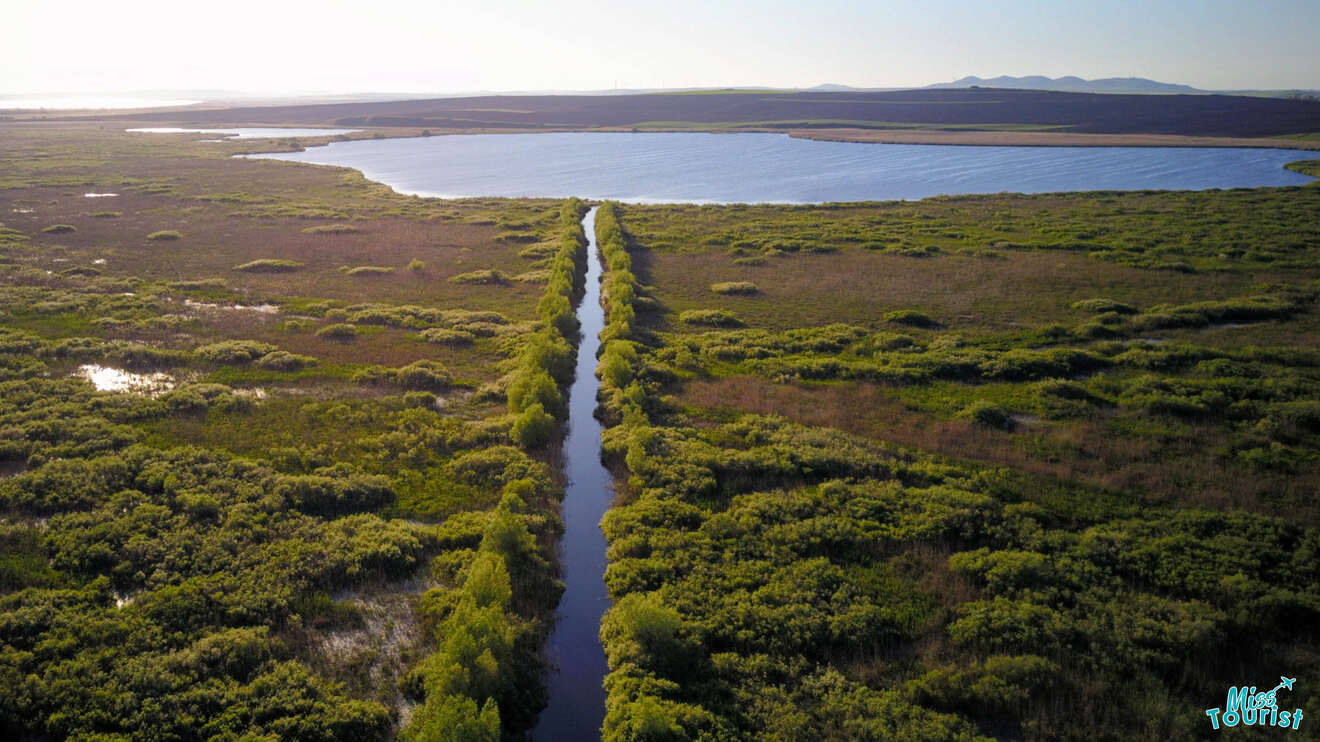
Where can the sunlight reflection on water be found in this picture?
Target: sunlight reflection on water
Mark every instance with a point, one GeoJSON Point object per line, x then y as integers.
{"type": "Point", "coordinates": [107, 379]}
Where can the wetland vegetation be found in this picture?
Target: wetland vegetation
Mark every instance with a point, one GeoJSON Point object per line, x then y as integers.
{"type": "Point", "coordinates": [1009, 467]}
{"type": "Point", "coordinates": [324, 520]}
{"type": "Point", "coordinates": [982, 467]}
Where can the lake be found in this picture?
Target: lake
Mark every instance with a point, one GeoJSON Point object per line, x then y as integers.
{"type": "Point", "coordinates": [755, 167]}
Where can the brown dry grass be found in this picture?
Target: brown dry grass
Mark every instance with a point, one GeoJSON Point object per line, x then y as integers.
{"type": "Point", "coordinates": [1180, 469]}
{"type": "Point", "coordinates": [197, 189]}
{"type": "Point", "coordinates": [965, 293]}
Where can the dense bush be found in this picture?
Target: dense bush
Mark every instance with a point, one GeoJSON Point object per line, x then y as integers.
{"type": "Point", "coordinates": [441, 336]}
{"type": "Point", "coordinates": [234, 351]}
{"type": "Point", "coordinates": [711, 317]}
{"type": "Point", "coordinates": [280, 360]}
{"type": "Point", "coordinates": [910, 317]}
{"type": "Point", "coordinates": [546, 360]}
{"type": "Point", "coordinates": [535, 386]}
{"type": "Point", "coordinates": [423, 375]}
{"type": "Point", "coordinates": [533, 427]}
{"type": "Point", "coordinates": [338, 331]}
{"type": "Point", "coordinates": [988, 414]}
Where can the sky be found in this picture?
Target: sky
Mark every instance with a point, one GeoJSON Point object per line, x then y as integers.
{"type": "Point", "coordinates": [330, 46]}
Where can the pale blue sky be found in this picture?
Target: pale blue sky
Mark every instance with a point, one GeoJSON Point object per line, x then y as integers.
{"type": "Point", "coordinates": [437, 46]}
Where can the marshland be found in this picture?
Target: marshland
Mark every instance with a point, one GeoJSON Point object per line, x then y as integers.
{"type": "Point", "coordinates": [628, 417]}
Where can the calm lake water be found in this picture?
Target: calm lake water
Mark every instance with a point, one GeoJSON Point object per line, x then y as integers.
{"type": "Point", "coordinates": [756, 168]}
{"type": "Point", "coordinates": [576, 705]}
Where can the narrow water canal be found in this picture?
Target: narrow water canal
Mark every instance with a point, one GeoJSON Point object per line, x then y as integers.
{"type": "Point", "coordinates": [577, 700]}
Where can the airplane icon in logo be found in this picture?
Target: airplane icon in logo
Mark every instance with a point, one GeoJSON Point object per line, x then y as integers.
{"type": "Point", "coordinates": [1287, 682]}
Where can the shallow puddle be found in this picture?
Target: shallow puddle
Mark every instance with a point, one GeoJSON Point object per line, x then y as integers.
{"type": "Point", "coordinates": [259, 308]}
{"type": "Point", "coordinates": [108, 379]}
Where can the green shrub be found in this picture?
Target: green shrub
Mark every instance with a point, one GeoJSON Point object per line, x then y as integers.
{"type": "Point", "coordinates": [369, 270]}
{"type": "Point", "coordinates": [60, 229]}
{"type": "Point", "coordinates": [281, 360]}
{"type": "Point", "coordinates": [442, 336]}
{"type": "Point", "coordinates": [1100, 306]}
{"type": "Point", "coordinates": [416, 266]}
{"type": "Point", "coordinates": [889, 341]}
{"type": "Point", "coordinates": [534, 386]}
{"type": "Point", "coordinates": [737, 288]}
{"type": "Point", "coordinates": [106, 214]}
{"type": "Point", "coordinates": [1177, 266]}
{"type": "Point", "coordinates": [552, 353]}
{"type": "Point", "coordinates": [423, 375]}
{"type": "Point", "coordinates": [420, 399]}
{"type": "Point", "coordinates": [269, 265]}
{"type": "Point", "coordinates": [347, 491]}
{"type": "Point", "coordinates": [339, 331]}
{"type": "Point", "coordinates": [1063, 389]}
{"type": "Point", "coordinates": [234, 351]}
{"type": "Point", "coordinates": [710, 317]}
{"type": "Point", "coordinates": [533, 427]}
{"type": "Point", "coordinates": [454, 317]}
{"type": "Point", "coordinates": [640, 628]}
{"type": "Point", "coordinates": [989, 414]}
{"type": "Point", "coordinates": [331, 229]}
{"type": "Point", "coordinates": [496, 466]}
{"type": "Point", "coordinates": [535, 276]}
{"type": "Point", "coordinates": [910, 317]}
{"type": "Point", "coordinates": [486, 277]}
{"type": "Point", "coordinates": [615, 368]}
{"type": "Point", "coordinates": [165, 234]}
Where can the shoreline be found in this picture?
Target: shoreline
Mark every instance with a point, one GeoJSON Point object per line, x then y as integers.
{"type": "Point", "coordinates": [1043, 139]}
{"type": "Point", "coordinates": [946, 137]}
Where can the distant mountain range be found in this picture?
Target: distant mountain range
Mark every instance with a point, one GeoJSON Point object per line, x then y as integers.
{"type": "Point", "coordinates": [1072, 84]}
